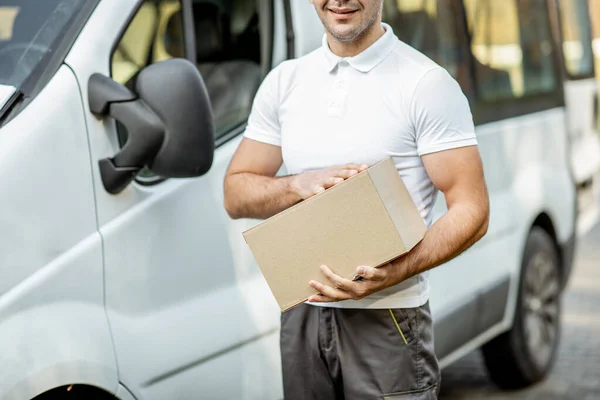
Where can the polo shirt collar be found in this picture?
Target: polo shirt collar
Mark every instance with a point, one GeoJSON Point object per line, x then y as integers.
{"type": "Point", "coordinates": [368, 58]}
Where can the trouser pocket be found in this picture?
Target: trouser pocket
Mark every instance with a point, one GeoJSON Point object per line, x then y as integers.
{"type": "Point", "coordinates": [404, 321]}
{"type": "Point", "coordinates": [375, 359]}
{"type": "Point", "coordinates": [429, 393]}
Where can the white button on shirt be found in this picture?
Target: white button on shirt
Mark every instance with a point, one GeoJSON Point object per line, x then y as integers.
{"type": "Point", "coordinates": [388, 101]}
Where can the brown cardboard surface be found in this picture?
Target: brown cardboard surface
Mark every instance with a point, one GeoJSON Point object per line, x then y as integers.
{"type": "Point", "coordinates": [368, 219]}
{"type": "Point", "coordinates": [407, 220]}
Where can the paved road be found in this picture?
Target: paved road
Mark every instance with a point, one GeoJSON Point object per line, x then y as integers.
{"type": "Point", "coordinates": [576, 374]}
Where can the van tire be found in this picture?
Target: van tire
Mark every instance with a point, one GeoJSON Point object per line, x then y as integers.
{"type": "Point", "coordinates": [75, 392]}
{"type": "Point", "coordinates": [514, 359]}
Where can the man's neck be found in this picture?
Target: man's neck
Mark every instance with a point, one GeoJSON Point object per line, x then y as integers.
{"type": "Point", "coordinates": [357, 46]}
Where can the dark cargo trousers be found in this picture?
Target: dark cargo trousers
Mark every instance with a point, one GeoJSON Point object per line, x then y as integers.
{"type": "Point", "coordinates": [358, 354]}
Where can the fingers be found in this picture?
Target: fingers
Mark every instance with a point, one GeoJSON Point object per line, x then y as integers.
{"type": "Point", "coordinates": [371, 273]}
{"type": "Point", "coordinates": [373, 279]}
{"type": "Point", "coordinates": [337, 281]}
{"type": "Point", "coordinates": [346, 173]}
{"type": "Point", "coordinates": [326, 184]}
{"type": "Point", "coordinates": [337, 175]}
{"type": "Point", "coordinates": [358, 167]}
{"type": "Point", "coordinates": [341, 288]}
{"type": "Point", "coordinates": [348, 170]}
{"type": "Point", "coordinates": [328, 291]}
{"type": "Point", "coordinates": [329, 182]}
{"type": "Point", "coordinates": [319, 298]}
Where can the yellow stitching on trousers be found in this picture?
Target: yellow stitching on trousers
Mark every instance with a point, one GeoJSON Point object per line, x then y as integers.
{"type": "Point", "coordinates": [398, 326]}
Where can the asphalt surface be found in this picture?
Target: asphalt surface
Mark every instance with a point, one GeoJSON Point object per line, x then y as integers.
{"type": "Point", "coordinates": [576, 372]}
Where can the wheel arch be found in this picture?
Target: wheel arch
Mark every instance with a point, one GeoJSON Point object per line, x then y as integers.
{"type": "Point", "coordinates": [55, 345]}
{"type": "Point", "coordinates": [565, 251]}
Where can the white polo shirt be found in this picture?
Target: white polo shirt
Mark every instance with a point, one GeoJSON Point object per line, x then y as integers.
{"type": "Point", "coordinates": [389, 100]}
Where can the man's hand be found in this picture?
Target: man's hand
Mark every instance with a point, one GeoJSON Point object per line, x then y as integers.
{"type": "Point", "coordinates": [308, 184]}
{"type": "Point", "coordinates": [373, 280]}
{"type": "Point", "coordinates": [458, 173]}
{"type": "Point", "coordinates": [251, 189]}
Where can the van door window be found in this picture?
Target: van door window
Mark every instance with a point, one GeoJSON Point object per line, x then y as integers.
{"type": "Point", "coordinates": [577, 38]}
{"type": "Point", "coordinates": [512, 48]}
{"type": "Point", "coordinates": [228, 55]}
{"type": "Point", "coordinates": [227, 51]}
{"type": "Point", "coordinates": [595, 18]}
{"type": "Point", "coordinates": [154, 34]}
{"type": "Point", "coordinates": [433, 28]}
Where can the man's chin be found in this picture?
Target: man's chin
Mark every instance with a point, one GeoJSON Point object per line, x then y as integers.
{"type": "Point", "coordinates": [344, 34]}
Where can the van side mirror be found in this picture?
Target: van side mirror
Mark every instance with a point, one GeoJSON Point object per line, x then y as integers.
{"type": "Point", "coordinates": [169, 123]}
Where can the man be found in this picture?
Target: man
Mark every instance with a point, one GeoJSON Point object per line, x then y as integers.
{"type": "Point", "coordinates": [361, 97]}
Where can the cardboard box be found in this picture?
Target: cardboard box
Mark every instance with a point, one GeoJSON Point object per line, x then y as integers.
{"type": "Point", "coordinates": [368, 219]}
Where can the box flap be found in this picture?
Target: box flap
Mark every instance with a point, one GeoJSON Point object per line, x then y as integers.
{"type": "Point", "coordinates": [398, 202]}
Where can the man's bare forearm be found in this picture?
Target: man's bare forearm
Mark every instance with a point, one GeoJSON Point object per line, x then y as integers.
{"type": "Point", "coordinates": [249, 195]}
{"type": "Point", "coordinates": [461, 227]}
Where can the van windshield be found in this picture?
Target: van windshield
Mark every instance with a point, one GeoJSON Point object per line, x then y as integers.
{"type": "Point", "coordinates": [29, 31]}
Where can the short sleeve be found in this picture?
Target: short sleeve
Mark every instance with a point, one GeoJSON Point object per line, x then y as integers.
{"type": "Point", "coordinates": [263, 122]}
{"type": "Point", "coordinates": [440, 112]}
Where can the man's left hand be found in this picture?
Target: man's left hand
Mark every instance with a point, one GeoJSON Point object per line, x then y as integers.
{"type": "Point", "coordinates": [373, 280]}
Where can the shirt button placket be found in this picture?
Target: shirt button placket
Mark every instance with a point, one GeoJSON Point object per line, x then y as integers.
{"type": "Point", "coordinates": [338, 95]}
{"type": "Point", "coordinates": [340, 84]}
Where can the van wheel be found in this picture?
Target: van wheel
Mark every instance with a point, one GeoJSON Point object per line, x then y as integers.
{"type": "Point", "coordinates": [75, 392]}
{"type": "Point", "coordinates": [525, 354]}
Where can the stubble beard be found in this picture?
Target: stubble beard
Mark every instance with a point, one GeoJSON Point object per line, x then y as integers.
{"type": "Point", "coordinates": [355, 33]}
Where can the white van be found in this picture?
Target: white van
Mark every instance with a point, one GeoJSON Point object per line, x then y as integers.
{"type": "Point", "coordinates": [121, 274]}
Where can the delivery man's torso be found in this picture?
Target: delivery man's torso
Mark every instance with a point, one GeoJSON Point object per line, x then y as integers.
{"type": "Point", "coordinates": [324, 110]}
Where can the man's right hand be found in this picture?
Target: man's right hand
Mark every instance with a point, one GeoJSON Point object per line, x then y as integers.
{"type": "Point", "coordinates": [308, 184]}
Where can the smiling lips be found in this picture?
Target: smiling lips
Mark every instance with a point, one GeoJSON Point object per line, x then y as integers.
{"type": "Point", "coordinates": [342, 13]}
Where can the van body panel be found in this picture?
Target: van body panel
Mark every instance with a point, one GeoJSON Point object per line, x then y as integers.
{"type": "Point", "coordinates": [53, 327]}
{"type": "Point", "coordinates": [250, 370]}
{"type": "Point", "coordinates": [581, 97]}
{"type": "Point", "coordinates": [523, 179]}
{"type": "Point", "coordinates": [279, 33]}
{"type": "Point", "coordinates": [57, 345]}
{"type": "Point", "coordinates": [182, 289]}
{"type": "Point", "coordinates": [584, 140]}
{"type": "Point", "coordinates": [49, 215]}
{"type": "Point", "coordinates": [91, 53]}
{"type": "Point", "coordinates": [308, 28]}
